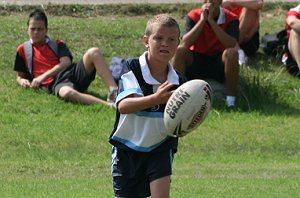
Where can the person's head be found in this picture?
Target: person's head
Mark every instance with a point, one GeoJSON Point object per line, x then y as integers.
{"type": "Point", "coordinates": [37, 26]}
{"type": "Point", "coordinates": [162, 36]}
{"type": "Point", "coordinates": [212, 1]}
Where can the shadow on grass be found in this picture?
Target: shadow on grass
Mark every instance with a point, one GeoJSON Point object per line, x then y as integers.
{"type": "Point", "coordinates": [266, 87]}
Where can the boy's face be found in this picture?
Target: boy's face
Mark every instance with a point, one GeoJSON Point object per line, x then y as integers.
{"type": "Point", "coordinates": [37, 31]}
{"type": "Point", "coordinates": [162, 42]}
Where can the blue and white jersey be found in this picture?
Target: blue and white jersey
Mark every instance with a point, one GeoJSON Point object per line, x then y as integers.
{"type": "Point", "coordinates": [142, 131]}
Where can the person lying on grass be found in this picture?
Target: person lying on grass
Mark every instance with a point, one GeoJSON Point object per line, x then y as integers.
{"type": "Point", "coordinates": [47, 64]}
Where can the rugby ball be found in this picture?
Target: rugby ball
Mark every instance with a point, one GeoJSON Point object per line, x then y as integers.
{"type": "Point", "coordinates": [187, 107]}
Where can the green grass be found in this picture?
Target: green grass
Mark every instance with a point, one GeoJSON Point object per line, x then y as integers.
{"type": "Point", "coordinates": [51, 148]}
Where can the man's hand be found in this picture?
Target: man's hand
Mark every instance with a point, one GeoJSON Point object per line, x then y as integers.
{"type": "Point", "coordinates": [24, 83]}
{"type": "Point", "coordinates": [37, 81]}
{"type": "Point", "coordinates": [205, 12]}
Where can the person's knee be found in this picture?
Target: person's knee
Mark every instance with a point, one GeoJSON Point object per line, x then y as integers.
{"type": "Point", "coordinates": [66, 93]}
{"type": "Point", "coordinates": [182, 51]}
{"type": "Point", "coordinates": [183, 55]}
{"type": "Point", "coordinates": [93, 52]}
{"type": "Point", "coordinates": [231, 54]}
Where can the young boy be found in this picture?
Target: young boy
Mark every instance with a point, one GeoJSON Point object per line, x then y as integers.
{"type": "Point", "coordinates": [207, 49]}
{"type": "Point", "coordinates": [44, 63]}
{"type": "Point", "coordinates": [142, 151]}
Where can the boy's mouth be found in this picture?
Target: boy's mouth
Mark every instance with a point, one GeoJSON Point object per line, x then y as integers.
{"type": "Point", "coordinates": [164, 51]}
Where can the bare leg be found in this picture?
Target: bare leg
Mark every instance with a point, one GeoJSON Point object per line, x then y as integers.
{"type": "Point", "coordinates": [161, 187]}
{"type": "Point", "coordinates": [249, 24]}
{"type": "Point", "coordinates": [294, 46]}
{"type": "Point", "coordinates": [94, 59]}
{"type": "Point", "coordinates": [70, 94]}
{"type": "Point", "coordinates": [230, 59]}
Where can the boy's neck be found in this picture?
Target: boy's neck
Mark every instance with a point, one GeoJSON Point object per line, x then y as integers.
{"type": "Point", "coordinates": [159, 72]}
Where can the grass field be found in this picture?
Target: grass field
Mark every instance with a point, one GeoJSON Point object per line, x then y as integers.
{"type": "Point", "coordinates": [51, 148]}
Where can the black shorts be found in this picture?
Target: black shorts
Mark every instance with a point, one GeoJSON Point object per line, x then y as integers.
{"type": "Point", "coordinates": [205, 66]}
{"type": "Point", "coordinates": [74, 76]}
{"type": "Point", "coordinates": [292, 66]}
{"type": "Point", "coordinates": [133, 172]}
{"type": "Point", "coordinates": [251, 46]}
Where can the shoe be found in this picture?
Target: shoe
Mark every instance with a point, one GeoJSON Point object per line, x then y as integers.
{"type": "Point", "coordinates": [112, 95]}
{"type": "Point", "coordinates": [230, 104]}
{"type": "Point", "coordinates": [242, 57]}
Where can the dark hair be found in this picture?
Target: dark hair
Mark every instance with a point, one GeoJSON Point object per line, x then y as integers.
{"type": "Point", "coordinates": [38, 15]}
{"type": "Point", "coordinates": [161, 19]}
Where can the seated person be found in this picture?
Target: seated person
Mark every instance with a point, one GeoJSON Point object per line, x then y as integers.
{"type": "Point", "coordinates": [248, 13]}
{"type": "Point", "coordinates": [47, 64]}
{"type": "Point", "coordinates": [207, 49]}
{"type": "Point", "coordinates": [293, 32]}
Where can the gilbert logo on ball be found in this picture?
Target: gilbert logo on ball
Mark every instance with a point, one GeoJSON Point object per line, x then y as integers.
{"type": "Point", "coordinates": [188, 107]}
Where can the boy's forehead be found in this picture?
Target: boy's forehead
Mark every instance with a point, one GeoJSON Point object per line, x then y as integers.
{"type": "Point", "coordinates": [34, 22]}
{"type": "Point", "coordinates": [156, 28]}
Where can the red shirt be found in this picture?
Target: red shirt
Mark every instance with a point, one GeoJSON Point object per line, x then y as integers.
{"type": "Point", "coordinates": [235, 9]}
{"type": "Point", "coordinates": [207, 42]}
{"type": "Point", "coordinates": [292, 12]}
{"type": "Point", "coordinates": [44, 59]}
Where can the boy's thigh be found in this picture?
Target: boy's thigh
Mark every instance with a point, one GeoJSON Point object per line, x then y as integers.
{"type": "Point", "coordinates": [133, 171]}
{"type": "Point", "coordinates": [251, 46]}
{"type": "Point", "coordinates": [204, 66]}
{"type": "Point", "coordinates": [75, 77]}
{"type": "Point", "coordinates": [80, 78]}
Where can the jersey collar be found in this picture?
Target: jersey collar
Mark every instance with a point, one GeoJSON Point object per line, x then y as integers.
{"type": "Point", "coordinates": [221, 18]}
{"type": "Point", "coordinates": [171, 78]}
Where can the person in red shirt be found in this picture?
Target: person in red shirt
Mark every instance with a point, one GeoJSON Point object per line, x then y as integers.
{"type": "Point", "coordinates": [207, 49]}
{"type": "Point", "coordinates": [54, 71]}
{"type": "Point", "coordinates": [248, 12]}
{"type": "Point", "coordinates": [293, 32]}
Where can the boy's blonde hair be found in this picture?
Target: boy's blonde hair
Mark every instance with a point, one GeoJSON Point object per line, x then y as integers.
{"type": "Point", "coordinates": [162, 20]}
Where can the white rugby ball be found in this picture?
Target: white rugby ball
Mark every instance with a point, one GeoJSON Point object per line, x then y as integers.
{"type": "Point", "coordinates": [187, 107]}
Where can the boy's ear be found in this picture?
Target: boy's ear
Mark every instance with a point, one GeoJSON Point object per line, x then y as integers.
{"type": "Point", "coordinates": [146, 41]}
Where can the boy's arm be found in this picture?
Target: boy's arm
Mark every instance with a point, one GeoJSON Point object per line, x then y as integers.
{"type": "Point", "coordinates": [132, 104]}
{"type": "Point", "coordinates": [192, 35]}
{"type": "Point", "coordinates": [250, 4]}
{"type": "Point", "coordinates": [227, 40]}
{"type": "Point", "coordinates": [65, 61]}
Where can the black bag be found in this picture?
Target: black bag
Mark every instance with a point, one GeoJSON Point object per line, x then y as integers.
{"type": "Point", "coordinates": [273, 44]}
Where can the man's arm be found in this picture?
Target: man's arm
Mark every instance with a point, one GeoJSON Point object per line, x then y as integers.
{"type": "Point", "coordinates": [250, 4]}
{"type": "Point", "coordinates": [193, 30]}
{"type": "Point", "coordinates": [65, 61]}
{"type": "Point", "coordinates": [192, 35]}
{"type": "Point", "coordinates": [227, 40]}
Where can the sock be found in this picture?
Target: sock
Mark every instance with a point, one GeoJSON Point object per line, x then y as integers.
{"type": "Point", "coordinates": [230, 101]}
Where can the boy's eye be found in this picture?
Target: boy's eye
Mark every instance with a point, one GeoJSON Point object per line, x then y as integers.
{"type": "Point", "coordinates": [36, 29]}
{"type": "Point", "coordinates": [158, 38]}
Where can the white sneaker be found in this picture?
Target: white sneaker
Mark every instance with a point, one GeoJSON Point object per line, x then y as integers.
{"type": "Point", "coordinates": [242, 57]}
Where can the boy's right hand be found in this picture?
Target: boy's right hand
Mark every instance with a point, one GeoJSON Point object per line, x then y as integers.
{"type": "Point", "coordinates": [163, 94]}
